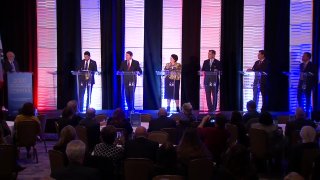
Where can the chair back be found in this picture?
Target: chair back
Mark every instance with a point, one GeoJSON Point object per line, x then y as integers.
{"type": "Point", "coordinates": [8, 157]}
{"type": "Point", "coordinates": [105, 166]}
{"type": "Point", "coordinates": [173, 134]}
{"type": "Point", "coordinates": [158, 136]}
{"type": "Point", "coordinates": [82, 134]}
{"type": "Point", "coordinates": [258, 143]}
{"type": "Point", "coordinates": [101, 118]}
{"type": "Point", "coordinates": [138, 168]}
{"type": "Point", "coordinates": [56, 160]}
{"type": "Point", "coordinates": [308, 160]}
{"type": "Point", "coordinates": [168, 177]}
{"type": "Point", "coordinates": [146, 117]}
{"type": "Point", "coordinates": [200, 169]}
{"type": "Point", "coordinates": [233, 130]}
{"type": "Point", "coordinates": [26, 133]}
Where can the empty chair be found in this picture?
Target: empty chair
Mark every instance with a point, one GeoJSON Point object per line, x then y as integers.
{"type": "Point", "coordinates": [8, 162]}
{"type": "Point", "coordinates": [138, 168]}
{"type": "Point", "coordinates": [158, 136]}
{"type": "Point", "coordinates": [82, 134]}
{"type": "Point", "coordinates": [200, 169]}
{"type": "Point", "coordinates": [56, 160]}
{"type": "Point", "coordinates": [168, 177]}
{"type": "Point", "coordinates": [172, 132]}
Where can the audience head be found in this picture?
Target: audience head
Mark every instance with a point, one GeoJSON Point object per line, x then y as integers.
{"type": "Point", "coordinates": [118, 115]}
{"type": "Point", "coordinates": [236, 117]}
{"type": "Point", "coordinates": [251, 106]}
{"type": "Point", "coordinates": [187, 108]}
{"type": "Point", "coordinates": [75, 151]}
{"type": "Point", "coordinates": [73, 104]}
{"type": "Point", "coordinates": [162, 112]}
{"type": "Point", "coordinates": [220, 121]}
{"type": "Point", "coordinates": [293, 176]}
{"type": "Point", "coordinates": [91, 113]}
{"type": "Point", "coordinates": [140, 132]}
{"type": "Point", "coordinates": [67, 113]}
{"type": "Point", "coordinates": [167, 154]}
{"type": "Point", "coordinates": [265, 118]}
{"type": "Point", "coordinates": [27, 109]}
{"type": "Point", "coordinates": [300, 113]}
{"type": "Point", "coordinates": [307, 134]}
{"type": "Point", "coordinates": [108, 134]}
{"type": "Point", "coordinates": [67, 134]}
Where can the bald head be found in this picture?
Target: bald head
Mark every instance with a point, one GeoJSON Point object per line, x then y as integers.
{"type": "Point", "coordinates": [162, 112]}
{"type": "Point", "coordinates": [141, 132]}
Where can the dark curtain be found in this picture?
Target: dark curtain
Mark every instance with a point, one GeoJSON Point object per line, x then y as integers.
{"type": "Point", "coordinates": [316, 52]}
{"type": "Point", "coordinates": [68, 49]}
{"type": "Point", "coordinates": [231, 54]}
{"type": "Point", "coordinates": [191, 23]}
{"type": "Point", "coordinates": [112, 50]}
{"type": "Point", "coordinates": [152, 53]}
{"type": "Point", "coordinates": [277, 19]}
{"type": "Point", "coordinates": [18, 29]}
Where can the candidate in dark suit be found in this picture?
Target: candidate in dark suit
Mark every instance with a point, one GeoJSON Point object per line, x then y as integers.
{"type": "Point", "coordinates": [86, 81]}
{"type": "Point", "coordinates": [211, 82]}
{"type": "Point", "coordinates": [260, 68]}
{"type": "Point", "coordinates": [130, 81]}
{"type": "Point", "coordinates": [307, 81]}
{"type": "Point", "coordinates": [161, 122]}
{"type": "Point", "coordinates": [141, 147]}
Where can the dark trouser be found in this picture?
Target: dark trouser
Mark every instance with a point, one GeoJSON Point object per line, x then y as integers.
{"type": "Point", "coordinates": [256, 91]}
{"type": "Point", "coordinates": [129, 92]}
{"type": "Point", "coordinates": [83, 86]}
{"type": "Point", "coordinates": [307, 93]}
{"type": "Point", "coordinates": [211, 92]}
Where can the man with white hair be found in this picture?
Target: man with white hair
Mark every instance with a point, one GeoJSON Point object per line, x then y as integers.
{"type": "Point", "coordinates": [75, 151]}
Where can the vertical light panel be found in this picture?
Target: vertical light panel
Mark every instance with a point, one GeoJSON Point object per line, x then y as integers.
{"type": "Point", "coordinates": [300, 42]}
{"type": "Point", "coordinates": [171, 38]}
{"type": "Point", "coordinates": [47, 54]}
{"type": "Point", "coordinates": [253, 41]}
{"type": "Point", "coordinates": [134, 41]}
{"type": "Point", "coordinates": [91, 41]}
{"type": "Point", "coordinates": [210, 39]}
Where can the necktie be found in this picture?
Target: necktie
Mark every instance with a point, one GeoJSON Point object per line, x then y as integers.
{"type": "Point", "coordinates": [129, 65]}
{"type": "Point", "coordinates": [211, 61]}
{"type": "Point", "coordinates": [86, 66]}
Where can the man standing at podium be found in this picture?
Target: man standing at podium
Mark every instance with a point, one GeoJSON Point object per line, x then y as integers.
{"type": "Point", "coordinates": [86, 81]}
{"type": "Point", "coordinates": [211, 81]}
{"type": "Point", "coordinates": [130, 81]}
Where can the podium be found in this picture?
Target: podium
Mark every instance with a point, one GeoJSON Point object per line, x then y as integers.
{"type": "Point", "coordinates": [209, 85]}
{"type": "Point", "coordinates": [128, 87]}
{"type": "Point", "coordinates": [20, 90]}
{"type": "Point", "coordinates": [85, 79]}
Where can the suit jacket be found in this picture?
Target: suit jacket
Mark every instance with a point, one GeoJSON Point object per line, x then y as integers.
{"type": "Point", "coordinates": [7, 66]}
{"type": "Point", "coordinates": [216, 65]}
{"type": "Point", "coordinates": [75, 172]}
{"type": "Point", "coordinates": [141, 148]}
{"type": "Point", "coordinates": [161, 122]}
{"type": "Point", "coordinates": [310, 79]}
{"type": "Point", "coordinates": [261, 67]}
{"type": "Point", "coordinates": [93, 131]}
{"type": "Point", "coordinates": [92, 67]}
{"type": "Point", "coordinates": [135, 66]}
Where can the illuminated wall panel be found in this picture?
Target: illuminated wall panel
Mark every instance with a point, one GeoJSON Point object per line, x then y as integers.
{"type": "Point", "coordinates": [210, 39]}
{"type": "Point", "coordinates": [47, 54]}
{"type": "Point", "coordinates": [134, 41]}
{"type": "Point", "coordinates": [171, 38]}
{"type": "Point", "coordinates": [300, 42]}
{"type": "Point", "coordinates": [253, 41]}
{"type": "Point", "coordinates": [91, 41]}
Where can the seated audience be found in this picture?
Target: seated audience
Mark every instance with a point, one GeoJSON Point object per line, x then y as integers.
{"type": "Point", "coordinates": [161, 122]}
{"type": "Point", "coordinates": [76, 150]}
{"type": "Point", "coordinates": [236, 119]}
{"type": "Point", "coordinates": [93, 128]}
{"type": "Point", "coordinates": [251, 111]}
{"type": "Point", "coordinates": [118, 120]}
{"type": "Point", "coordinates": [140, 146]}
{"type": "Point", "coordinates": [76, 118]}
{"type": "Point", "coordinates": [215, 138]}
{"type": "Point", "coordinates": [67, 134]}
{"type": "Point", "coordinates": [67, 118]}
{"type": "Point", "coordinates": [307, 135]}
{"type": "Point", "coordinates": [265, 123]}
{"type": "Point", "coordinates": [186, 116]}
{"type": "Point", "coordinates": [107, 148]}
{"type": "Point", "coordinates": [191, 147]}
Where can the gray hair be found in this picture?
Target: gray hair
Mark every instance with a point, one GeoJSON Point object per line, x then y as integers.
{"type": "Point", "coordinates": [75, 151]}
{"type": "Point", "coordinates": [307, 134]}
{"type": "Point", "coordinates": [91, 113]}
{"type": "Point", "coordinates": [187, 108]}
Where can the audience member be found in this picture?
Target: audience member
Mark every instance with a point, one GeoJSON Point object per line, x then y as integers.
{"type": "Point", "coordinates": [161, 122]}
{"type": "Point", "coordinates": [76, 118]}
{"type": "Point", "coordinates": [265, 123]}
{"type": "Point", "coordinates": [93, 128]}
{"type": "Point", "coordinates": [141, 147]}
{"type": "Point", "coordinates": [76, 150]}
{"type": "Point", "coordinates": [186, 116]}
{"type": "Point", "coordinates": [251, 111]}
{"type": "Point", "coordinates": [307, 135]}
{"type": "Point", "coordinates": [215, 138]}
{"type": "Point", "coordinates": [236, 119]}
{"type": "Point", "coordinates": [118, 120]}
{"type": "Point", "coordinates": [67, 134]}
{"type": "Point", "coordinates": [66, 118]}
